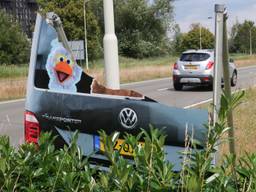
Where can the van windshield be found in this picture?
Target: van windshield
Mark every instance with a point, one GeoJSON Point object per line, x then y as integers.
{"type": "Point", "coordinates": [194, 56]}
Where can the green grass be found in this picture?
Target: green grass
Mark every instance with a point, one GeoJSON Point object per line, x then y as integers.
{"type": "Point", "coordinates": [126, 62]}
{"type": "Point", "coordinates": [241, 56]}
{"type": "Point", "coordinates": [13, 71]}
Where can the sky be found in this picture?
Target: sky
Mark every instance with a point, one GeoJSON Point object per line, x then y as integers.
{"type": "Point", "coordinates": [197, 11]}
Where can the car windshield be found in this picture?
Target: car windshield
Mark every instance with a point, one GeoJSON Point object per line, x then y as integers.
{"type": "Point", "coordinates": [194, 56]}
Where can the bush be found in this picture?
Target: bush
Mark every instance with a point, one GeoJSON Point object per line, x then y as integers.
{"type": "Point", "coordinates": [44, 168]}
{"type": "Point", "coordinates": [14, 45]}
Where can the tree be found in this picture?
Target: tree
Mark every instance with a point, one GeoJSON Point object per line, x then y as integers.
{"type": "Point", "coordinates": [71, 14]}
{"type": "Point", "coordinates": [240, 38]}
{"type": "Point", "coordinates": [14, 45]}
{"type": "Point", "coordinates": [191, 40]}
{"type": "Point", "coordinates": [141, 26]}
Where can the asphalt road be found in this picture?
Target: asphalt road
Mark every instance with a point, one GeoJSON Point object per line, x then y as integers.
{"type": "Point", "coordinates": [11, 112]}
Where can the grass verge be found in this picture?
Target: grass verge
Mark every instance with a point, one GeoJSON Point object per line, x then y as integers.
{"type": "Point", "coordinates": [244, 125]}
{"type": "Point", "coordinates": [13, 78]}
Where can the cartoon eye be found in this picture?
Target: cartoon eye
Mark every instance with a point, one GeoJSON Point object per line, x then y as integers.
{"type": "Point", "coordinates": [68, 61]}
{"type": "Point", "coordinates": [61, 59]}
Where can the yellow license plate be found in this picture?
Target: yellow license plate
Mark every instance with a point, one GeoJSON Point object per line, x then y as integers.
{"type": "Point", "coordinates": [126, 149]}
{"type": "Point", "coordinates": [193, 67]}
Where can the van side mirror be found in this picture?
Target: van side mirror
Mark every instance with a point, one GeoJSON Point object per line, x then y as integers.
{"type": "Point", "coordinates": [231, 60]}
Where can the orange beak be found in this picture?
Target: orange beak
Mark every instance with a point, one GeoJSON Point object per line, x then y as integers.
{"type": "Point", "coordinates": [63, 71]}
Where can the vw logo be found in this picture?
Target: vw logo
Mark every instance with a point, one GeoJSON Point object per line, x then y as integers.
{"type": "Point", "coordinates": [128, 118]}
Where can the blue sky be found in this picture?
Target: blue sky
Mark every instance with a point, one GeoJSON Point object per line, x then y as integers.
{"type": "Point", "coordinates": [198, 11]}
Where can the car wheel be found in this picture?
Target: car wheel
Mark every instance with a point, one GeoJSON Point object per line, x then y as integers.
{"type": "Point", "coordinates": [234, 79]}
{"type": "Point", "coordinates": [177, 86]}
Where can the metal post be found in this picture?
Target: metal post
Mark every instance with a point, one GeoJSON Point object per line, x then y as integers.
{"type": "Point", "coordinates": [227, 87]}
{"type": "Point", "coordinates": [57, 24]}
{"type": "Point", "coordinates": [218, 59]}
{"type": "Point", "coordinates": [110, 48]}
{"type": "Point", "coordinates": [200, 33]}
{"type": "Point", "coordinates": [85, 38]}
{"type": "Point", "coordinates": [250, 41]}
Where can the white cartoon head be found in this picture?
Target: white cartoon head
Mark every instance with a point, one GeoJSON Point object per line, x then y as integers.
{"type": "Point", "coordinates": [63, 71]}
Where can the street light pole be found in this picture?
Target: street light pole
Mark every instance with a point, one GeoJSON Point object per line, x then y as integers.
{"type": "Point", "coordinates": [250, 40]}
{"type": "Point", "coordinates": [200, 32]}
{"type": "Point", "coordinates": [85, 37]}
{"type": "Point", "coordinates": [110, 47]}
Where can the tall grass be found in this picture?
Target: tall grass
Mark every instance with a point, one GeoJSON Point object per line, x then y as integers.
{"type": "Point", "coordinates": [13, 71]}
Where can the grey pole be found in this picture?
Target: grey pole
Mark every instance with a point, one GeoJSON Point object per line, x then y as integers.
{"type": "Point", "coordinates": [200, 34]}
{"type": "Point", "coordinates": [227, 87]}
{"type": "Point", "coordinates": [218, 59]}
{"type": "Point", "coordinates": [110, 47]}
{"type": "Point", "coordinates": [85, 38]}
{"type": "Point", "coordinates": [250, 41]}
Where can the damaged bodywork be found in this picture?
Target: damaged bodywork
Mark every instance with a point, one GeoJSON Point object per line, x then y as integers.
{"type": "Point", "coordinates": [62, 98]}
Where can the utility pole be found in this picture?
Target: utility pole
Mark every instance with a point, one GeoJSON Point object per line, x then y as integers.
{"type": "Point", "coordinates": [218, 59]}
{"type": "Point", "coordinates": [200, 34]}
{"type": "Point", "coordinates": [110, 47]}
{"type": "Point", "coordinates": [85, 37]}
{"type": "Point", "coordinates": [251, 40]}
{"type": "Point", "coordinates": [227, 87]}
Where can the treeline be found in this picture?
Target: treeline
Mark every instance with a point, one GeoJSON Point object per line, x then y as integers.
{"type": "Point", "coordinates": [241, 36]}
{"type": "Point", "coordinates": [144, 28]}
{"type": "Point", "coordinates": [141, 25]}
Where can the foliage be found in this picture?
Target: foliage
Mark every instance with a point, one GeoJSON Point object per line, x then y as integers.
{"type": "Point", "coordinates": [44, 168]}
{"type": "Point", "coordinates": [141, 27]}
{"type": "Point", "coordinates": [191, 40]}
{"type": "Point", "coordinates": [240, 37]}
{"type": "Point", "coordinates": [72, 16]}
{"type": "Point", "coordinates": [14, 45]}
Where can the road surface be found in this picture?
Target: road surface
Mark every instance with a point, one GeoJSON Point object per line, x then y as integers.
{"type": "Point", "coordinates": [11, 112]}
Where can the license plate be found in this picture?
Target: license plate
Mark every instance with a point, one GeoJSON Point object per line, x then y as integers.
{"type": "Point", "coordinates": [125, 150]}
{"type": "Point", "coordinates": [190, 80]}
{"type": "Point", "coordinates": [192, 67]}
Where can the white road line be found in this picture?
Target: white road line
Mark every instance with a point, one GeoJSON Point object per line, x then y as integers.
{"type": "Point", "coordinates": [163, 89]}
{"type": "Point", "coordinates": [199, 103]}
{"type": "Point", "coordinates": [12, 101]}
{"type": "Point", "coordinates": [146, 81]}
{"type": "Point", "coordinates": [208, 100]}
{"type": "Point", "coordinates": [126, 84]}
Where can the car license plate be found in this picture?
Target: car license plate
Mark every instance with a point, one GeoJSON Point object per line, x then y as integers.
{"type": "Point", "coordinates": [191, 67]}
{"type": "Point", "coordinates": [190, 80]}
{"type": "Point", "coordinates": [125, 150]}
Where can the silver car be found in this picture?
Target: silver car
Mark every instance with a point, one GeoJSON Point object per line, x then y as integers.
{"type": "Point", "coordinates": [195, 67]}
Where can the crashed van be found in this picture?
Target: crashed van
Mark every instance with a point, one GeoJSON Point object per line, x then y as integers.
{"type": "Point", "coordinates": [61, 98]}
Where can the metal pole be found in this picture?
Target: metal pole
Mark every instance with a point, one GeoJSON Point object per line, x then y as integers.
{"type": "Point", "coordinates": [250, 41]}
{"type": "Point", "coordinates": [200, 32]}
{"type": "Point", "coordinates": [110, 47]}
{"type": "Point", "coordinates": [227, 87]}
{"type": "Point", "coordinates": [218, 59]}
{"type": "Point", "coordinates": [85, 38]}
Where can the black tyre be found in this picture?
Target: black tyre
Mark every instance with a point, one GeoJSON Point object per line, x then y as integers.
{"type": "Point", "coordinates": [177, 86]}
{"type": "Point", "coordinates": [234, 79]}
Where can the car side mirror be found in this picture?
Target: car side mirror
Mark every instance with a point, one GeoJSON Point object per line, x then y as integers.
{"type": "Point", "coordinates": [231, 60]}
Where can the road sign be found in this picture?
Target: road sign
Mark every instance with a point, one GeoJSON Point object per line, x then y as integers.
{"type": "Point", "coordinates": [77, 48]}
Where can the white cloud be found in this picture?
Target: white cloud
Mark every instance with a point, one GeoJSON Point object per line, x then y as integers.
{"type": "Point", "coordinates": [197, 11]}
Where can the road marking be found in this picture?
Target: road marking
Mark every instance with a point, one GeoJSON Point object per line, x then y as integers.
{"type": "Point", "coordinates": [208, 100]}
{"type": "Point", "coordinates": [12, 101]}
{"type": "Point", "coordinates": [146, 81]}
{"type": "Point", "coordinates": [199, 103]}
{"type": "Point", "coordinates": [163, 89]}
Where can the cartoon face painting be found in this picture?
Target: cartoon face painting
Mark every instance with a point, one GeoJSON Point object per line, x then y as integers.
{"type": "Point", "coordinates": [64, 73]}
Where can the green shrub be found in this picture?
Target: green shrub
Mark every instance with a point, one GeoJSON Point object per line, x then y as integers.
{"type": "Point", "coordinates": [42, 167]}
{"type": "Point", "coordinates": [14, 45]}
